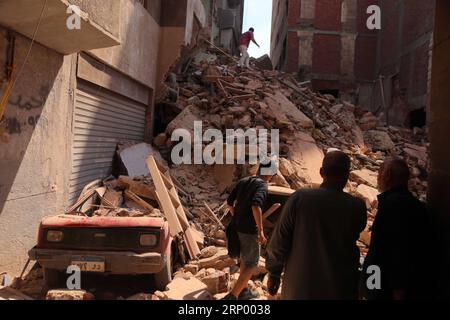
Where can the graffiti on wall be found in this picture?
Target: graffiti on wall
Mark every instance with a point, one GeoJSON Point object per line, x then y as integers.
{"type": "Point", "coordinates": [17, 124]}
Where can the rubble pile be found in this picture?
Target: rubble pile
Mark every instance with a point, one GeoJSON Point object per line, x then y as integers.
{"type": "Point", "coordinates": [214, 90]}
{"type": "Point", "coordinates": [122, 197]}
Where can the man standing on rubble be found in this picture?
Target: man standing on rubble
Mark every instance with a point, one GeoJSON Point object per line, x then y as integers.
{"type": "Point", "coordinates": [400, 239]}
{"type": "Point", "coordinates": [246, 203]}
{"type": "Point", "coordinates": [246, 38]}
{"type": "Point", "coordinates": [315, 239]}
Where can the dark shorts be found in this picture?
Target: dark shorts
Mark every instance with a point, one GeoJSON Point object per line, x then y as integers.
{"type": "Point", "coordinates": [250, 249]}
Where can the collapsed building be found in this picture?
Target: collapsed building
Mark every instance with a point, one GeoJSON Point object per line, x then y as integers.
{"type": "Point", "coordinates": [205, 85]}
{"type": "Point", "coordinates": [212, 90]}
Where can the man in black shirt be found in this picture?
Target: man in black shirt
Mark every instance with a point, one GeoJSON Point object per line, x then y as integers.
{"type": "Point", "coordinates": [399, 238]}
{"type": "Point", "coordinates": [246, 203]}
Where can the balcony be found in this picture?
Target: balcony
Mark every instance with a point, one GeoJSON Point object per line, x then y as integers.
{"type": "Point", "coordinates": [23, 16]}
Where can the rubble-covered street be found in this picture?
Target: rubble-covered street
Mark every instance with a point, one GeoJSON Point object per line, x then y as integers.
{"type": "Point", "coordinates": [213, 90]}
{"type": "Point", "coordinates": [134, 136]}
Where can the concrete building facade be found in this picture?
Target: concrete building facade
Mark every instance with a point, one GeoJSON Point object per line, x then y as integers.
{"type": "Point", "coordinates": [225, 19]}
{"type": "Point", "coordinates": [329, 43]}
{"type": "Point", "coordinates": [75, 94]}
{"type": "Point", "coordinates": [278, 40]}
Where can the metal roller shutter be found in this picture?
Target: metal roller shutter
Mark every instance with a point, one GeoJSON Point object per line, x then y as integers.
{"type": "Point", "coordinates": [101, 120]}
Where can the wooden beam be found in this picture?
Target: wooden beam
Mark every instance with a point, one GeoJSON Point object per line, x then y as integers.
{"type": "Point", "coordinates": [131, 195]}
{"type": "Point", "coordinates": [213, 215]}
{"type": "Point", "coordinates": [164, 198]}
{"type": "Point", "coordinates": [271, 210]}
{"type": "Point", "coordinates": [86, 196]}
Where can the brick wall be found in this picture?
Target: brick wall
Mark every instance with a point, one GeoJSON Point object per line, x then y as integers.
{"type": "Point", "coordinates": [327, 54]}
{"type": "Point", "coordinates": [404, 51]}
{"type": "Point", "coordinates": [292, 52]}
{"type": "Point", "coordinates": [400, 49]}
{"type": "Point", "coordinates": [328, 15]}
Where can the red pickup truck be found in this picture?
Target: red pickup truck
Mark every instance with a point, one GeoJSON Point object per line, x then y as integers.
{"type": "Point", "coordinates": [104, 245]}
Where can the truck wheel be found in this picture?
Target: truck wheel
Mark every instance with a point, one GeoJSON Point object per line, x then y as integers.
{"type": "Point", "coordinates": [164, 277]}
{"type": "Point", "coordinates": [52, 278]}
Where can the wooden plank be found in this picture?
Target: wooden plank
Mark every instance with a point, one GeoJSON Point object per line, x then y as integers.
{"type": "Point", "coordinates": [167, 182]}
{"type": "Point", "coordinates": [281, 191]}
{"type": "Point", "coordinates": [132, 196]}
{"type": "Point", "coordinates": [207, 215]}
{"type": "Point", "coordinates": [92, 185]}
{"type": "Point", "coordinates": [237, 91]}
{"type": "Point", "coordinates": [198, 236]}
{"type": "Point", "coordinates": [244, 97]}
{"type": "Point", "coordinates": [86, 196]}
{"type": "Point", "coordinates": [191, 243]}
{"type": "Point", "coordinates": [212, 78]}
{"type": "Point", "coordinates": [213, 215]}
{"type": "Point", "coordinates": [137, 187]}
{"type": "Point", "coordinates": [164, 198]}
{"type": "Point", "coordinates": [112, 198]}
{"type": "Point", "coordinates": [101, 191]}
{"type": "Point", "coordinates": [221, 87]}
{"type": "Point", "coordinates": [271, 210]}
{"type": "Point", "coordinates": [293, 87]}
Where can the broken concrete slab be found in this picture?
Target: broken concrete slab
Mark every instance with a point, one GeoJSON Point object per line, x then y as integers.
{"type": "Point", "coordinates": [369, 194]}
{"type": "Point", "coordinates": [365, 176]}
{"type": "Point", "coordinates": [185, 120]}
{"type": "Point", "coordinates": [417, 152]}
{"type": "Point", "coordinates": [208, 252]}
{"type": "Point", "coordinates": [182, 289]}
{"type": "Point", "coordinates": [285, 111]}
{"type": "Point", "coordinates": [306, 158]}
{"type": "Point", "coordinates": [219, 261]}
{"type": "Point", "coordinates": [368, 122]}
{"type": "Point", "coordinates": [379, 140]}
{"type": "Point", "coordinates": [134, 158]}
{"type": "Point", "coordinates": [216, 281]}
{"type": "Point", "coordinates": [264, 62]}
{"type": "Point", "coordinates": [63, 294]}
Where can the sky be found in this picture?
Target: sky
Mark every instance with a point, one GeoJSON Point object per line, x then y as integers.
{"type": "Point", "coordinates": [258, 14]}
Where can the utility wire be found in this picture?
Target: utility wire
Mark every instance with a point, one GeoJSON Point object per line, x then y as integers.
{"type": "Point", "coordinates": [33, 39]}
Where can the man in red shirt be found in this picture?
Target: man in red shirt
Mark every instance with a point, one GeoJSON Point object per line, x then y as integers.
{"type": "Point", "coordinates": [243, 47]}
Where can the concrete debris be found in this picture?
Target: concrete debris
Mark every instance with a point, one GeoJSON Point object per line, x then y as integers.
{"type": "Point", "coordinates": [69, 295]}
{"type": "Point", "coordinates": [143, 296]}
{"type": "Point", "coordinates": [216, 281]}
{"type": "Point", "coordinates": [369, 194]}
{"type": "Point", "coordinates": [368, 122]}
{"type": "Point", "coordinates": [264, 62]}
{"type": "Point", "coordinates": [212, 89]}
{"type": "Point", "coordinates": [182, 289]}
{"type": "Point", "coordinates": [365, 176]}
{"type": "Point", "coordinates": [379, 140]}
{"type": "Point", "coordinates": [208, 252]}
{"type": "Point", "coordinates": [9, 293]}
{"type": "Point", "coordinates": [309, 125]}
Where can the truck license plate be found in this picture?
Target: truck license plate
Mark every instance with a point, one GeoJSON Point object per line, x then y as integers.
{"type": "Point", "coordinates": [89, 264]}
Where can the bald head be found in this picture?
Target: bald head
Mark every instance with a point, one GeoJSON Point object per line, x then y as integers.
{"type": "Point", "coordinates": [393, 173]}
{"type": "Point", "coordinates": [336, 168]}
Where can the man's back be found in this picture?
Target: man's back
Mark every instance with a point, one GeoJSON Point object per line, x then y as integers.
{"type": "Point", "coordinates": [320, 228]}
{"type": "Point", "coordinates": [400, 241]}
